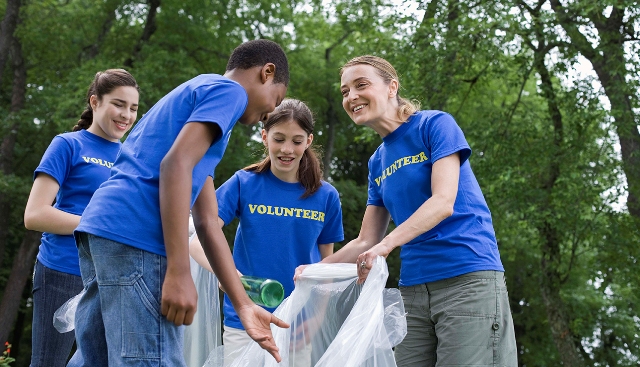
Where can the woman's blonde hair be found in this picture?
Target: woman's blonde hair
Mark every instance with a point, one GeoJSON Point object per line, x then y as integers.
{"type": "Point", "coordinates": [388, 73]}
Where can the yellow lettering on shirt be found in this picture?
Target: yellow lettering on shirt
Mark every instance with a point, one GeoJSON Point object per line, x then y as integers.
{"type": "Point", "coordinates": [280, 211]}
{"type": "Point", "coordinates": [400, 163]}
{"type": "Point", "coordinates": [97, 161]}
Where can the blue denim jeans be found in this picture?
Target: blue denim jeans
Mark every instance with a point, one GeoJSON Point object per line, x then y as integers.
{"type": "Point", "coordinates": [461, 321]}
{"type": "Point", "coordinates": [51, 289]}
{"type": "Point", "coordinates": [118, 320]}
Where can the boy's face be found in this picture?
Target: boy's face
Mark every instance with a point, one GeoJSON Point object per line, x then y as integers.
{"type": "Point", "coordinates": [264, 97]}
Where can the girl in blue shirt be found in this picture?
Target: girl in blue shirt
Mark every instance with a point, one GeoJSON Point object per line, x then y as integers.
{"type": "Point", "coordinates": [451, 277]}
{"type": "Point", "coordinates": [72, 168]}
{"type": "Point", "coordinates": [288, 215]}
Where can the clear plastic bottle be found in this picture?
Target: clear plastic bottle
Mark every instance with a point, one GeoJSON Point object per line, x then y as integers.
{"type": "Point", "coordinates": [262, 291]}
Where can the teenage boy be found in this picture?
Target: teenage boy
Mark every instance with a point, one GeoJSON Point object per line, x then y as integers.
{"type": "Point", "coordinates": [133, 235]}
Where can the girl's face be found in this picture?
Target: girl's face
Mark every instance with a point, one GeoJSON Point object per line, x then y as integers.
{"type": "Point", "coordinates": [365, 95]}
{"type": "Point", "coordinates": [286, 142]}
{"type": "Point", "coordinates": [115, 114]}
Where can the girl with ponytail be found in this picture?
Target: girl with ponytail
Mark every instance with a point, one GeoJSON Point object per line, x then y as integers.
{"type": "Point", "coordinates": [71, 169]}
{"type": "Point", "coordinates": [288, 215]}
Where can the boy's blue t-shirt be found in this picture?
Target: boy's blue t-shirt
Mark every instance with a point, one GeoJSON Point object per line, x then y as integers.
{"type": "Point", "coordinates": [278, 230]}
{"type": "Point", "coordinates": [400, 180]}
{"type": "Point", "coordinates": [126, 207]}
{"type": "Point", "coordinates": [79, 161]}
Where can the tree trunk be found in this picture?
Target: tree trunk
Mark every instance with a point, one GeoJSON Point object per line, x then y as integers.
{"type": "Point", "coordinates": [557, 315]}
{"type": "Point", "coordinates": [9, 140]}
{"type": "Point", "coordinates": [551, 261]}
{"type": "Point", "coordinates": [329, 146]}
{"type": "Point", "coordinates": [149, 29]}
{"type": "Point", "coordinates": [331, 114]}
{"type": "Point", "coordinates": [20, 272]}
{"type": "Point", "coordinates": [609, 64]}
{"type": "Point", "coordinates": [18, 328]}
{"type": "Point", "coordinates": [91, 51]}
{"type": "Point", "coordinates": [7, 28]}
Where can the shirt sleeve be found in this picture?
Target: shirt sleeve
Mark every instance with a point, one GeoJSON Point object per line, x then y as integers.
{"type": "Point", "coordinates": [374, 198]}
{"type": "Point", "coordinates": [56, 160]}
{"type": "Point", "coordinates": [228, 196]}
{"type": "Point", "coordinates": [443, 137]}
{"type": "Point", "coordinates": [222, 104]}
{"type": "Point", "coordinates": [332, 230]}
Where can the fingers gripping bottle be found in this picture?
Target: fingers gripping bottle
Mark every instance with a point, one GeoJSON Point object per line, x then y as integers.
{"type": "Point", "coordinates": [262, 291]}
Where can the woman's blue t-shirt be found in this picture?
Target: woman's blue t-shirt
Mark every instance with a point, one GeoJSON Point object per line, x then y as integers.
{"type": "Point", "coordinates": [126, 207]}
{"type": "Point", "coordinates": [79, 161]}
{"type": "Point", "coordinates": [278, 230]}
{"type": "Point", "coordinates": [400, 181]}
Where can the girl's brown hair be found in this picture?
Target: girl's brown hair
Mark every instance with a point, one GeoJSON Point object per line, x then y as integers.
{"type": "Point", "coordinates": [388, 73]}
{"type": "Point", "coordinates": [104, 83]}
{"type": "Point", "coordinates": [310, 169]}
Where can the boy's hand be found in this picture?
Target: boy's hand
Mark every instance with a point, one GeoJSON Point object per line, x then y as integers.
{"type": "Point", "coordinates": [257, 323]}
{"type": "Point", "coordinates": [179, 298]}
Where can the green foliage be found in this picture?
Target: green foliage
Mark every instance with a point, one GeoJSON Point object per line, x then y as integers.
{"type": "Point", "coordinates": [5, 358]}
{"type": "Point", "coordinates": [471, 59]}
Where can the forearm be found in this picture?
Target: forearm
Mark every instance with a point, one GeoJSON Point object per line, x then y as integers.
{"type": "Point", "coordinates": [41, 215]}
{"type": "Point", "coordinates": [218, 254]}
{"type": "Point", "coordinates": [214, 244]}
{"type": "Point", "coordinates": [374, 226]}
{"type": "Point", "coordinates": [349, 252]}
{"type": "Point", "coordinates": [429, 214]}
{"type": "Point", "coordinates": [325, 250]}
{"type": "Point", "coordinates": [175, 200]}
{"type": "Point", "coordinates": [197, 253]}
{"type": "Point", "coordinates": [51, 220]}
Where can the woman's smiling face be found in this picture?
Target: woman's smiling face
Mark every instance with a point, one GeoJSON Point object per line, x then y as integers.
{"type": "Point", "coordinates": [365, 96]}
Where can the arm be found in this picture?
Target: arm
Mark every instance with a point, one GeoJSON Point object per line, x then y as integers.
{"type": "Point", "coordinates": [444, 188]}
{"type": "Point", "coordinates": [197, 252]}
{"type": "Point", "coordinates": [325, 250]}
{"type": "Point", "coordinates": [255, 319]}
{"type": "Point", "coordinates": [179, 295]}
{"type": "Point", "coordinates": [374, 226]}
{"type": "Point", "coordinates": [40, 215]}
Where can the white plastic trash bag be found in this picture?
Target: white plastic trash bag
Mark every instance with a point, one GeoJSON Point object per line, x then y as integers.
{"type": "Point", "coordinates": [334, 322]}
{"type": "Point", "coordinates": [204, 334]}
{"type": "Point", "coordinates": [65, 317]}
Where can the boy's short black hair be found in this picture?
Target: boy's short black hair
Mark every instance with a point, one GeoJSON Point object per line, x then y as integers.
{"type": "Point", "coordinates": [258, 53]}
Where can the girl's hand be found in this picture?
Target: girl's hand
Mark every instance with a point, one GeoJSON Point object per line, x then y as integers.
{"type": "Point", "coordinates": [298, 272]}
{"type": "Point", "coordinates": [257, 323]}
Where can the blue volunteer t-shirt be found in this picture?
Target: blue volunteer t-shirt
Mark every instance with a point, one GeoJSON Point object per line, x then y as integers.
{"type": "Point", "coordinates": [400, 180]}
{"type": "Point", "coordinates": [80, 161]}
{"type": "Point", "coordinates": [278, 230]}
{"type": "Point", "coordinates": [126, 207]}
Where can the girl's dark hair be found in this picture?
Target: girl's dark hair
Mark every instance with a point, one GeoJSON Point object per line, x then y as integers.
{"type": "Point", "coordinates": [104, 83]}
{"type": "Point", "coordinates": [310, 170]}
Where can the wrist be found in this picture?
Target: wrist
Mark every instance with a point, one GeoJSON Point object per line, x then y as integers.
{"type": "Point", "coordinates": [387, 245]}
{"type": "Point", "coordinates": [175, 268]}
{"type": "Point", "coordinates": [240, 301]}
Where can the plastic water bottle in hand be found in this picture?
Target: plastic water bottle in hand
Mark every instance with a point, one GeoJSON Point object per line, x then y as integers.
{"type": "Point", "coordinates": [262, 291]}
